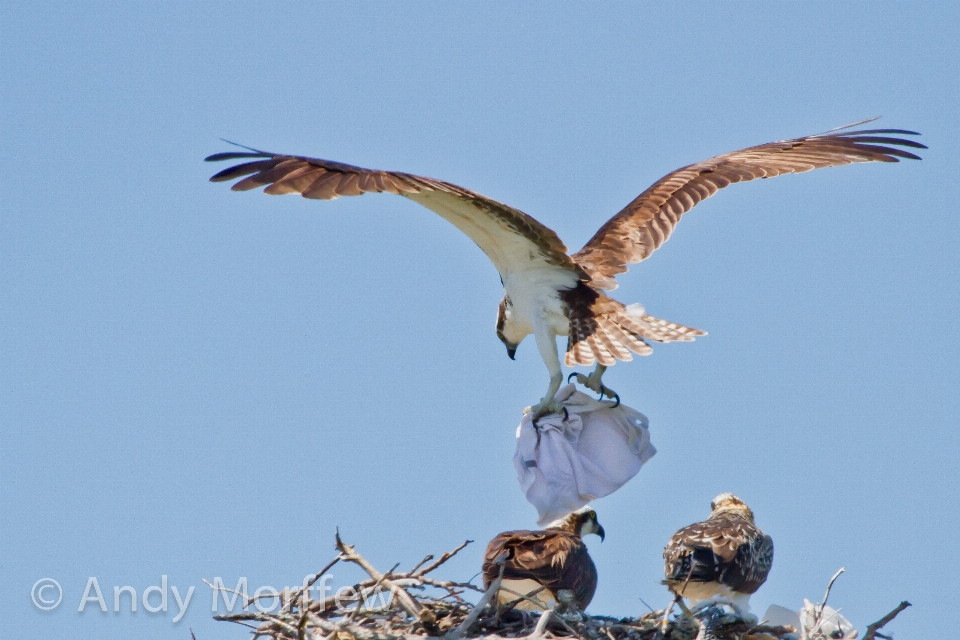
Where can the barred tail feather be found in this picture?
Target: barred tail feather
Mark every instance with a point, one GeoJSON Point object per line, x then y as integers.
{"type": "Point", "coordinates": [579, 353]}
{"type": "Point", "coordinates": [663, 331]}
{"type": "Point", "coordinates": [604, 357]}
{"type": "Point", "coordinates": [613, 346]}
{"type": "Point", "coordinates": [613, 336]}
{"type": "Point", "coordinates": [656, 329]}
{"type": "Point", "coordinates": [628, 339]}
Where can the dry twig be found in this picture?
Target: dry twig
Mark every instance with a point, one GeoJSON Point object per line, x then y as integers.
{"type": "Point", "coordinates": [484, 601]}
{"type": "Point", "coordinates": [820, 608]}
{"type": "Point", "coordinates": [446, 556]}
{"type": "Point", "coordinates": [879, 624]}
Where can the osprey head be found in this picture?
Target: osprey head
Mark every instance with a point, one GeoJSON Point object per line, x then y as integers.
{"type": "Point", "coordinates": [582, 521]}
{"type": "Point", "coordinates": [727, 503]}
{"type": "Point", "coordinates": [590, 524]}
{"type": "Point", "coordinates": [507, 331]}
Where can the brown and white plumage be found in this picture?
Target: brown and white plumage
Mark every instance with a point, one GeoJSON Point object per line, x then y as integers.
{"type": "Point", "coordinates": [547, 292]}
{"type": "Point", "coordinates": [554, 558]}
{"type": "Point", "coordinates": [725, 556]}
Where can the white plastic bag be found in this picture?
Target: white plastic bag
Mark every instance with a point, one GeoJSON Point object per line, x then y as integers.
{"type": "Point", "coordinates": [563, 463]}
{"type": "Point", "coordinates": [812, 622]}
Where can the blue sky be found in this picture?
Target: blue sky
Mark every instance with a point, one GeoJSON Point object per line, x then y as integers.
{"type": "Point", "coordinates": [198, 383]}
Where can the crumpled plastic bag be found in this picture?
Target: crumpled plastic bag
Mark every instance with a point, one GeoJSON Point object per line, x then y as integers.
{"type": "Point", "coordinates": [812, 622]}
{"type": "Point", "coordinates": [824, 622]}
{"type": "Point", "coordinates": [563, 463]}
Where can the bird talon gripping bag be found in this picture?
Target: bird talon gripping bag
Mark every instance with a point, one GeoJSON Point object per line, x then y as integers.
{"type": "Point", "coordinates": [564, 462]}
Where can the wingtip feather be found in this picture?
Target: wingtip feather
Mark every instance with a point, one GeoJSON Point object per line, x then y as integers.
{"type": "Point", "coordinates": [235, 155]}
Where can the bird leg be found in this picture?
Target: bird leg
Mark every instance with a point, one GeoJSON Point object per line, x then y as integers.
{"type": "Point", "coordinates": [548, 403]}
{"type": "Point", "coordinates": [739, 609]}
{"type": "Point", "coordinates": [547, 346]}
{"type": "Point", "coordinates": [595, 384]}
{"type": "Point", "coordinates": [708, 619]}
{"type": "Point", "coordinates": [566, 606]}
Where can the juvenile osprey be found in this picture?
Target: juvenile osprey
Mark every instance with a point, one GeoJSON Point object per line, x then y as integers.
{"type": "Point", "coordinates": [547, 292]}
{"type": "Point", "coordinates": [725, 557]}
{"type": "Point", "coordinates": [555, 558]}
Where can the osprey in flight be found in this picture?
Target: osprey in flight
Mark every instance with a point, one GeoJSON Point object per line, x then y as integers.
{"type": "Point", "coordinates": [545, 562]}
{"type": "Point", "coordinates": [725, 557]}
{"type": "Point", "coordinates": [548, 292]}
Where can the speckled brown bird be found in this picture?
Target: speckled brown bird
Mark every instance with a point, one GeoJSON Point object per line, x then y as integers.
{"type": "Point", "coordinates": [555, 558]}
{"type": "Point", "coordinates": [547, 292]}
{"type": "Point", "coordinates": [724, 558]}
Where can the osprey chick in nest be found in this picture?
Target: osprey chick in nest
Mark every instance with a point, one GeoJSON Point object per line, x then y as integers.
{"type": "Point", "coordinates": [724, 558]}
{"type": "Point", "coordinates": [548, 292]}
{"type": "Point", "coordinates": [555, 558]}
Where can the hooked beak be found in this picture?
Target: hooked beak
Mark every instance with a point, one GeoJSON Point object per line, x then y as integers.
{"type": "Point", "coordinates": [512, 352]}
{"type": "Point", "coordinates": [601, 533]}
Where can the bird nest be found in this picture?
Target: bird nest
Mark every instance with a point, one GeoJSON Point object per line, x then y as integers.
{"type": "Point", "coordinates": [408, 605]}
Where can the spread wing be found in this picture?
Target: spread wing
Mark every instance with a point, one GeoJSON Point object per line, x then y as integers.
{"type": "Point", "coordinates": [646, 223]}
{"type": "Point", "coordinates": [511, 239]}
{"type": "Point", "coordinates": [555, 559]}
{"type": "Point", "coordinates": [731, 551]}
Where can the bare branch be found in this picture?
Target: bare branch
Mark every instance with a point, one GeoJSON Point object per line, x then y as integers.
{"type": "Point", "coordinates": [879, 624]}
{"type": "Point", "coordinates": [426, 559]}
{"type": "Point", "coordinates": [484, 601]}
{"type": "Point", "coordinates": [445, 584]}
{"type": "Point", "coordinates": [826, 595]}
{"type": "Point", "coordinates": [542, 624]}
{"type": "Point", "coordinates": [528, 597]}
{"type": "Point", "coordinates": [412, 606]}
{"type": "Point", "coordinates": [666, 614]}
{"type": "Point", "coordinates": [446, 556]}
{"type": "Point", "coordinates": [820, 608]}
{"type": "Point", "coordinates": [362, 595]}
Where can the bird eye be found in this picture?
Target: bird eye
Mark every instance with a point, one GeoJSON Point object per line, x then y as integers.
{"type": "Point", "coordinates": [837, 634]}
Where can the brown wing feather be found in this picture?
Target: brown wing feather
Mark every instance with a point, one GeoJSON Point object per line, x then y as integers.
{"type": "Point", "coordinates": [553, 558]}
{"type": "Point", "coordinates": [727, 550]}
{"type": "Point", "coordinates": [646, 223]}
{"type": "Point", "coordinates": [511, 238]}
{"type": "Point", "coordinates": [723, 536]}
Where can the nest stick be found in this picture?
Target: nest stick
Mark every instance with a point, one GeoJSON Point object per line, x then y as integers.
{"type": "Point", "coordinates": [412, 606]}
{"type": "Point", "coordinates": [879, 624]}
{"type": "Point", "coordinates": [528, 597]}
{"type": "Point", "coordinates": [542, 624]}
{"type": "Point", "coordinates": [484, 601]}
{"type": "Point", "coordinates": [446, 556]}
